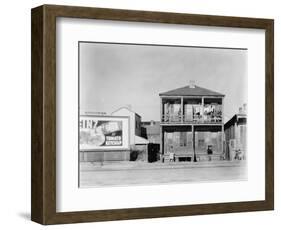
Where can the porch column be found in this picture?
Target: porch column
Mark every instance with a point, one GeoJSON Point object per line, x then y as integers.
{"type": "Point", "coordinates": [182, 109]}
{"type": "Point", "coordinates": [161, 140]}
{"type": "Point", "coordinates": [222, 112]}
{"type": "Point", "coordinates": [222, 139]}
{"type": "Point", "coordinates": [193, 144]}
{"type": "Point", "coordinates": [161, 109]}
{"type": "Point", "coordinates": [202, 102]}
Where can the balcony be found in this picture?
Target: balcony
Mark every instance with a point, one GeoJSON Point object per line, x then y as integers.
{"type": "Point", "coordinates": [195, 119]}
{"type": "Point", "coordinates": [197, 110]}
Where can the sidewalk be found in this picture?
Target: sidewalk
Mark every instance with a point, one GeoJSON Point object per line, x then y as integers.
{"type": "Point", "coordinates": [139, 165]}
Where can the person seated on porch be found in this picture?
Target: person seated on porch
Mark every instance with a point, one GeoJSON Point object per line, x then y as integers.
{"type": "Point", "coordinates": [172, 156]}
{"type": "Point", "coordinates": [238, 154]}
{"type": "Point", "coordinates": [210, 151]}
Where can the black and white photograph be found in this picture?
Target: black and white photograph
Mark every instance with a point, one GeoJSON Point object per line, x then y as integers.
{"type": "Point", "coordinates": [143, 114]}
{"type": "Point", "coordinates": [160, 114]}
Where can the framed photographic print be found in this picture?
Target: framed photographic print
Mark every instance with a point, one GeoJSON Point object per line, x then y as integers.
{"type": "Point", "coordinates": [140, 114]}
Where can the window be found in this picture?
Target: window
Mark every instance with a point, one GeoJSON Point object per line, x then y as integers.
{"type": "Point", "coordinates": [183, 139]}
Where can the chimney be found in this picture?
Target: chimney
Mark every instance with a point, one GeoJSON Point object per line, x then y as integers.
{"type": "Point", "coordinates": [192, 84]}
{"type": "Point", "coordinates": [245, 108]}
{"type": "Point", "coordinates": [240, 110]}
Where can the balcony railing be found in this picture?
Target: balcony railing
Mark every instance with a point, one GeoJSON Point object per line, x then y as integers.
{"type": "Point", "coordinates": [197, 119]}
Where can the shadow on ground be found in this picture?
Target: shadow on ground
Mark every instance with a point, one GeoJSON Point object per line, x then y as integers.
{"type": "Point", "coordinates": [24, 215]}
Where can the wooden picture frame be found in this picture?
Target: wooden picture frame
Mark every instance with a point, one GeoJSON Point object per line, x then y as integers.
{"type": "Point", "coordinates": [43, 160]}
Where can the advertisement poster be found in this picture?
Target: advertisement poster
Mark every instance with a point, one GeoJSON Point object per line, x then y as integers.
{"type": "Point", "coordinates": [103, 132]}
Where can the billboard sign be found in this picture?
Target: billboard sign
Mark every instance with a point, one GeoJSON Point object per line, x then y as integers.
{"type": "Point", "coordinates": [103, 132]}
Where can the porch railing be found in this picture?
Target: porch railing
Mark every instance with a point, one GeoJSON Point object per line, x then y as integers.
{"type": "Point", "coordinates": [190, 119]}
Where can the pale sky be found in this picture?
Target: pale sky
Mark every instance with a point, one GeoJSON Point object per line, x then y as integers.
{"type": "Point", "coordinates": [114, 75]}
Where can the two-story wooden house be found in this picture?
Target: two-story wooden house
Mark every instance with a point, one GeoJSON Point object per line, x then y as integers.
{"type": "Point", "coordinates": [191, 124]}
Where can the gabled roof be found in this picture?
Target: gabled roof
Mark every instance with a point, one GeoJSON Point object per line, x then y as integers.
{"type": "Point", "coordinates": [191, 91]}
{"type": "Point", "coordinates": [126, 108]}
{"type": "Point", "coordinates": [235, 119]}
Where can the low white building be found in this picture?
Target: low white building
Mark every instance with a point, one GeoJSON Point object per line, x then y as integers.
{"type": "Point", "coordinates": [134, 125]}
{"type": "Point", "coordinates": [137, 142]}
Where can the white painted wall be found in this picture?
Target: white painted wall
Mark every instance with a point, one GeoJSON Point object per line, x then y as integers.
{"type": "Point", "coordinates": [126, 112]}
{"type": "Point", "coordinates": [15, 116]}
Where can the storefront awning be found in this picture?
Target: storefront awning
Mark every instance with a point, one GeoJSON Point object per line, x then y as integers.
{"type": "Point", "coordinates": [141, 141]}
